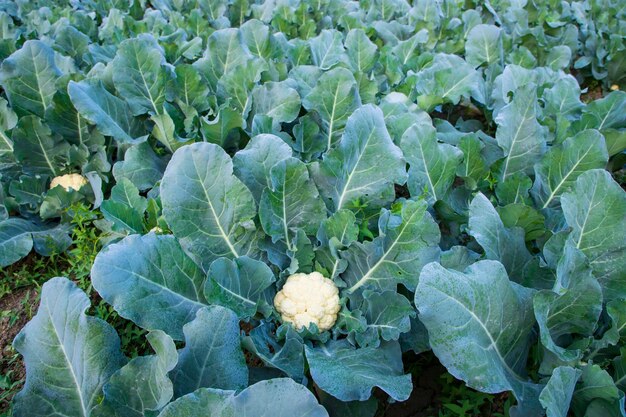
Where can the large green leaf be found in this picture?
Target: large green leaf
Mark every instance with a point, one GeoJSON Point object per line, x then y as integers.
{"type": "Point", "coordinates": [519, 133]}
{"type": "Point", "coordinates": [38, 149]}
{"type": "Point", "coordinates": [290, 202]}
{"type": "Point", "coordinates": [479, 325]}
{"type": "Point", "coordinates": [364, 165]}
{"type": "Point", "coordinates": [276, 100]}
{"type": "Point", "coordinates": [557, 394]}
{"type": "Point", "coordinates": [595, 209]}
{"type": "Point", "coordinates": [28, 76]}
{"type": "Point", "coordinates": [110, 114]}
{"type": "Point", "coordinates": [432, 165]}
{"type": "Point", "coordinates": [558, 169]}
{"type": "Point", "coordinates": [573, 308]}
{"type": "Point", "coordinates": [141, 166]}
{"type": "Point", "coordinates": [327, 49]}
{"type": "Point", "coordinates": [407, 241]}
{"type": "Point", "coordinates": [271, 398]}
{"type": "Point", "coordinates": [499, 242]}
{"type": "Point", "coordinates": [446, 79]}
{"type": "Point", "coordinates": [387, 315]}
{"type": "Point", "coordinates": [350, 374]}
{"type": "Point", "coordinates": [142, 385]}
{"type": "Point", "coordinates": [335, 233]}
{"type": "Point", "coordinates": [252, 164]}
{"type": "Point", "coordinates": [139, 75]}
{"type": "Point", "coordinates": [287, 356]}
{"type": "Point", "coordinates": [212, 356]}
{"type": "Point", "coordinates": [483, 45]}
{"type": "Point", "coordinates": [69, 355]}
{"type": "Point", "coordinates": [361, 51]}
{"type": "Point", "coordinates": [151, 281]}
{"type": "Point", "coordinates": [225, 51]}
{"type": "Point", "coordinates": [334, 98]}
{"type": "Point", "coordinates": [238, 284]}
{"type": "Point", "coordinates": [209, 210]}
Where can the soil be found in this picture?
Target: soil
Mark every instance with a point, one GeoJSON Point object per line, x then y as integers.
{"type": "Point", "coordinates": [19, 303]}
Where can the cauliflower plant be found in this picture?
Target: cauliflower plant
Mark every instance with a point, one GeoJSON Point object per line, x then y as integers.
{"type": "Point", "coordinates": [69, 181]}
{"type": "Point", "coordinates": [308, 298]}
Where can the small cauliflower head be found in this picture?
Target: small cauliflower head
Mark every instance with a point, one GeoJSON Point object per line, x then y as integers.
{"type": "Point", "coordinates": [69, 181]}
{"type": "Point", "coordinates": [308, 298]}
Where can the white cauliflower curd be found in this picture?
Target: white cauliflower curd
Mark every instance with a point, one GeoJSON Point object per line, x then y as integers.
{"type": "Point", "coordinates": [308, 298]}
{"type": "Point", "coordinates": [69, 181]}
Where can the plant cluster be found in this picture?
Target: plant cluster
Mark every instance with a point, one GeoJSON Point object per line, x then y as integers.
{"type": "Point", "coordinates": [433, 159]}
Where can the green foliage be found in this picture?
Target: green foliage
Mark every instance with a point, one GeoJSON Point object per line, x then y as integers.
{"type": "Point", "coordinates": [434, 159]}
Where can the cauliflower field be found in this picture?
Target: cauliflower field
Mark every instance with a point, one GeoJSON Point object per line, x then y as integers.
{"type": "Point", "coordinates": [292, 200]}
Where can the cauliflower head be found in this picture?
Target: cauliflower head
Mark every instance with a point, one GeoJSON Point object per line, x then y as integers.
{"type": "Point", "coordinates": [69, 181]}
{"type": "Point", "coordinates": [308, 298]}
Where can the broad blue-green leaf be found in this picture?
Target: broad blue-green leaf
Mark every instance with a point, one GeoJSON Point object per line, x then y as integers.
{"type": "Point", "coordinates": [473, 168]}
{"type": "Point", "coordinates": [142, 385]}
{"type": "Point", "coordinates": [479, 325]}
{"type": "Point", "coordinates": [335, 233]}
{"type": "Point", "coordinates": [235, 86]}
{"type": "Point", "coordinates": [615, 140]}
{"type": "Point", "coordinates": [256, 36]}
{"type": "Point", "coordinates": [500, 243]}
{"type": "Point", "coordinates": [558, 169]}
{"type": "Point", "coordinates": [387, 314]}
{"type": "Point", "coordinates": [288, 356]}
{"type": "Point", "coordinates": [212, 356]}
{"type": "Point", "coordinates": [28, 77]}
{"type": "Point", "coordinates": [218, 129]}
{"type": "Point", "coordinates": [252, 165]}
{"type": "Point", "coordinates": [362, 52]}
{"type": "Point", "coordinates": [281, 397]}
{"type": "Point", "coordinates": [559, 57]}
{"type": "Point", "coordinates": [190, 90]}
{"type": "Point", "coordinates": [334, 98]}
{"type": "Point", "coordinates": [64, 119]}
{"type": "Point", "coordinates": [364, 165]}
{"type": "Point", "coordinates": [151, 281]}
{"type": "Point", "coordinates": [139, 75]}
{"type": "Point", "coordinates": [525, 217]}
{"type": "Point", "coordinates": [110, 114]}
{"type": "Point", "coordinates": [432, 165]}
{"type": "Point", "coordinates": [515, 190]}
{"type": "Point", "coordinates": [141, 166]}
{"type": "Point", "coordinates": [407, 241]}
{"type": "Point", "coordinates": [595, 209]}
{"type": "Point", "coordinates": [446, 79]}
{"type": "Point", "coordinates": [69, 355]}
{"type": "Point", "coordinates": [557, 394]}
{"type": "Point", "coordinates": [573, 308]}
{"type": "Point", "coordinates": [238, 284]}
{"type": "Point", "coordinates": [327, 49]}
{"type": "Point", "coordinates": [225, 51]}
{"type": "Point", "coordinates": [290, 202]}
{"type": "Point", "coordinates": [483, 45]}
{"type": "Point", "coordinates": [209, 210]}
{"type": "Point", "coordinates": [595, 384]}
{"type": "Point", "coordinates": [18, 236]}
{"type": "Point", "coordinates": [38, 149]}
{"type": "Point", "coordinates": [520, 136]}
{"type": "Point", "coordinates": [605, 113]}
{"type": "Point", "coordinates": [125, 208]}
{"type": "Point", "coordinates": [8, 120]}
{"type": "Point", "coordinates": [458, 258]}
{"type": "Point", "coordinates": [276, 100]}
{"type": "Point", "coordinates": [350, 374]}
